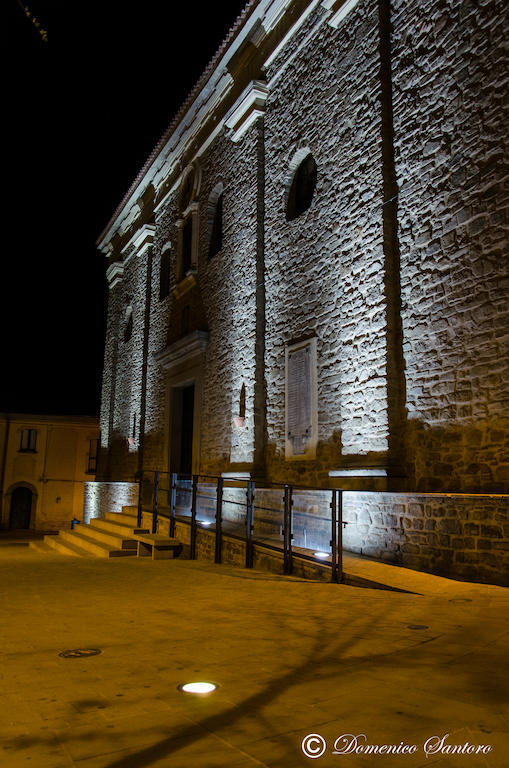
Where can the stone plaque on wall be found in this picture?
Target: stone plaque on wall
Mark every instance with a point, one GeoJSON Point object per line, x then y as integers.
{"type": "Point", "coordinates": [301, 400]}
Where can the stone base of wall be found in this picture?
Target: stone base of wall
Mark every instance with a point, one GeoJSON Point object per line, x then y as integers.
{"type": "Point", "coordinates": [464, 536]}
{"type": "Point", "coordinates": [458, 535]}
{"type": "Point", "coordinates": [102, 497]}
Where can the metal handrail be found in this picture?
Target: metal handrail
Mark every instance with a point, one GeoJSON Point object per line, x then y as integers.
{"type": "Point", "coordinates": [286, 512]}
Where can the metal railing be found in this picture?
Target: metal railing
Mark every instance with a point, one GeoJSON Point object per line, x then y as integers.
{"type": "Point", "coordinates": [236, 507]}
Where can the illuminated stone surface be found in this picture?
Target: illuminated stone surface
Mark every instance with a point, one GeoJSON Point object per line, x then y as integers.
{"type": "Point", "coordinates": [397, 270]}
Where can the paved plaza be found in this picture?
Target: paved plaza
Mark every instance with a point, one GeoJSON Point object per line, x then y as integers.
{"type": "Point", "coordinates": [291, 658]}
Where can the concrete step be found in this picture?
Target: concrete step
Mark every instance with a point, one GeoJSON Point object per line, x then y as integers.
{"type": "Point", "coordinates": [116, 539]}
{"type": "Point", "coordinates": [85, 539]}
{"type": "Point", "coordinates": [65, 547]}
{"type": "Point", "coordinates": [114, 527]}
{"type": "Point", "coordinates": [130, 510]}
{"type": "Point", "coordinates": [130, 521]}
{"type": "Point", "coordinates": [41, 546]}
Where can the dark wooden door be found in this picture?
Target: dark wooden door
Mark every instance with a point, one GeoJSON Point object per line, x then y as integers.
{"type": "Point", "coordinates": [21, 508]}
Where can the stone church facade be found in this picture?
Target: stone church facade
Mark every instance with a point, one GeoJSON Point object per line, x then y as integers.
{"type": "Point", "coordinates": [308, 279]}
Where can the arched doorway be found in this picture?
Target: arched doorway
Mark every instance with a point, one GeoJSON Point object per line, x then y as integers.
{"type": "Point", "coordinates": [21, 508]}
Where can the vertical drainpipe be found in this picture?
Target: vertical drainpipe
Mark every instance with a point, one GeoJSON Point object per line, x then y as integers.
{"type": "Point", "coordinates": [4, 463]}
{"type": "Point", "coordinates": [396, 391]}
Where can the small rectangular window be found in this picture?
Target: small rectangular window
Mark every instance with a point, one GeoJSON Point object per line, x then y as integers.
{"type": "Point", "coordinates": [28, 440]}
{"type": "Point", "coordinates": [164, 275]}
{"type": "Point", "coordinates": [187, 246]}
{"type": "Point", "coordinates": [92, 457]}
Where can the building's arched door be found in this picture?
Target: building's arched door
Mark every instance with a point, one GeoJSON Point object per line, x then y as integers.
{"type": "Point", "coordinates": [21, 508]}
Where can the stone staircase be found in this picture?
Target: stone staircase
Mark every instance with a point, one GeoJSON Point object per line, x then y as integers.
{"type": "Point", "coordinates": [109, 537]}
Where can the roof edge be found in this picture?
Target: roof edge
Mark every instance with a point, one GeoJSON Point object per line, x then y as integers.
{"type": "Point", "coordinates": [202, 81]}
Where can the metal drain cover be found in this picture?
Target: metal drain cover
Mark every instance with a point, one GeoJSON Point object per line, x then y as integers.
{"type": "Point", "coordinates": [417, 626]}
{"type": "Point", "coordinates": [78, 653]}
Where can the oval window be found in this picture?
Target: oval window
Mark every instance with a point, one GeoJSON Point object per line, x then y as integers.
{"type": "Point", "coordinates": [302, 188]}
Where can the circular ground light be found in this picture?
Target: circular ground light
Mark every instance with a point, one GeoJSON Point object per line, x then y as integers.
{"type": "Point", "coordinates": [79, 653]}
{"type": "Point", "coordinates": [201, 687]}
{"type": "Point", "coordinates": [460, 600]}
{"type": "Point", "coordinates": [417, 626]}
{"type": "Point", "coordinates": [322, 555]}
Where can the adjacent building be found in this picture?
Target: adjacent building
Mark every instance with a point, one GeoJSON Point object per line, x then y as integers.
{"type": "Point", "coordinates": [46, 461]}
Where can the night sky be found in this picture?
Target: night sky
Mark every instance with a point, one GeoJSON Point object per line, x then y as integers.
{"type": "Point", "coordinates": [83, 112]}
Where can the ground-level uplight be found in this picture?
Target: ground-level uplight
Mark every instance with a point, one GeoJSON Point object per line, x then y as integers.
{"type": "Point", "coordinates": [197, 687]}
{"type": "Point", "coordinates": [205, 522]}
{"type": "Point", "coordinates": [321, 555]}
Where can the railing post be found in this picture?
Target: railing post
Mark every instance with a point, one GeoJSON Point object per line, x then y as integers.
{"type": "Point", "coordinates": [287, 530]}
{"type": "Point", "coordinates": [340, 536]}
{"type": "Point", "coordinates": [334, 537]}
{"type": "Point", "coordinates": [219, 520]}
{"type": "Point", "coordinates": [249, 522]}
{"type": "Point", "coordinates": [173, 502]}
{"type": "Point", "coordinates": [192, 554]}
{"type": "Point", "coordinates": [154, 507]}
{"type": "Point", "coordinates": [140, 501]}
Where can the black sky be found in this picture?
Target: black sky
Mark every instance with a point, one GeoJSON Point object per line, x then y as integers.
{"type": "Point", "coordinates": [82, 113]}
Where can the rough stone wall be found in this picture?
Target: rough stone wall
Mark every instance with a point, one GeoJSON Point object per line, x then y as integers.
{"type": "Point", "coordinates": [102, 497]}
{"type": "Point", "coordinates": [451, 104]}
{"type": "Point", "coordinates": [123, 373]}
{"type": "Point", "coordinates": [156, 418]}
{"type": "Point", "coordinates": [229, 293]}
{"type": "Point", "coordinates": [326, 276]}
{"type": "Point", "coordinates": [222, 302]}
{"type": "Point", "coordinates": [325, 268]}
{"type": "Point", "coordinates": [107, 383]}
{"type": "Point", "coordinates": [460, 536]}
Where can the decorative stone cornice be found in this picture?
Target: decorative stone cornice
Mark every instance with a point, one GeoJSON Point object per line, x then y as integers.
{"type": "Point", "coordinates": [183, 137]}
{"type": "Point", "coordinates": [142, 239]}
{"type": "Point", "coordinates": [114, 274]}
{"type": "Point", "coordinates": [339, 9]}
{"type": "Point", "coordinates": [274, 13]}
{"type": "Point", "coordinates": [185, 351]}
{"type": "Point", "coordinates": [107, 249]}
{"type": "Point", "coordinates": [359, 472]}
{"type": "Point", "coordinates": [247, 109]}
{"type": "Point", "coordinates": [258, 23]}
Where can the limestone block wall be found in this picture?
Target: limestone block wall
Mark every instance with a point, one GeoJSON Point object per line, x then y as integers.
{"type": "Point", "coordinates": [433, 125]}
{"type": "Point", "coordinates": [452, 535]}
{"type": "Point", "coordinates": [110, 352]}
{"type": "Point", "coordinates": [450, 86]}
{"type": "Point", "coordinates": [102, 497]}
{"type": "Point", "coordinates": [229, 296]}
{"type": "Point", "coordinates": [223, 303]}
{"type": "Point", "coordinates": [155, 450]}
{"type": "Point", "coordinates": [325, 269]}
{"type": "Point", "coordinates": [123, 372]}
